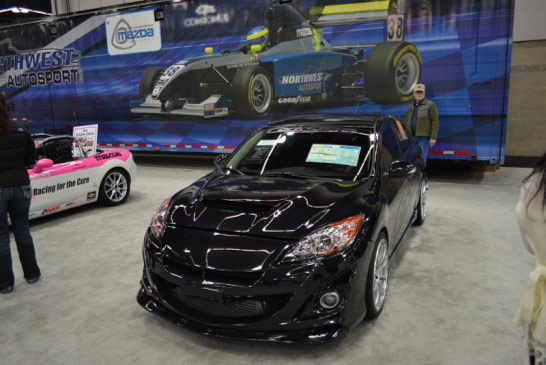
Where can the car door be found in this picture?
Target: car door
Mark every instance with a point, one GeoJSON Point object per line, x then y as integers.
{"type": "Point", "coordinates": [411, 152]}
{"type": "Point", "coordinates": [406, 146]}
{"type": "Point", "coordinates": [59, 187]}
{"type": "Point", "coordinates": [397, 189]}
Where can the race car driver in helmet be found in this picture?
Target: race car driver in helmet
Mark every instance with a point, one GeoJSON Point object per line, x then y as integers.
{"type": "Point", "coordinates": [257, 39]}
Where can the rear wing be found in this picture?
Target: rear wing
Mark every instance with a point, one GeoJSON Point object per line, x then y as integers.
{"type": "Point", "coordinates": [392, 11]}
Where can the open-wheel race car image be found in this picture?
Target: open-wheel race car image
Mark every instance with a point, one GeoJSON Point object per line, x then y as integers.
{"type": "Point", "coordinates": [287, 62]}
{"type": "Point", "coordinates": [289, 239]}
{"type": "Point", "coordinates": [65, 176]}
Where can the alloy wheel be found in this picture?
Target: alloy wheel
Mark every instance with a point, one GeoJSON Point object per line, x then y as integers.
{"type": "Point", "coordinates": [423, 200]}
{"type": "Point", "coordinates": [115, 187]}
{"type": "Point", "coordinates": [381, 273]}
{"type": "Point", "coordinates": [260, 93]}
{"type": "Point", "coordinates": [407, 73]}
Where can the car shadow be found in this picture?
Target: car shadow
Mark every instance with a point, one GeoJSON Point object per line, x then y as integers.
{"type": "Point", "coordinates": [453, 172]}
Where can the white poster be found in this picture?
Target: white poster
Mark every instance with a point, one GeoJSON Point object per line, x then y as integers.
{"type": "Point", "coordinates": [133, 33]}
{"type": "Point", "coordinates": [86, 136]}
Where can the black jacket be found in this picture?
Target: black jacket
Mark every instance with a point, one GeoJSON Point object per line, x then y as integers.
{"type": "Point", "coordinates": [17, 151]}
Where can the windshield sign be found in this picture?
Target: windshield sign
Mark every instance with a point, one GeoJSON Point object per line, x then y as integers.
{"type": "Point", "coordinates": [313, 153]}
{"type": "Point", "coordinates": [332, 153]}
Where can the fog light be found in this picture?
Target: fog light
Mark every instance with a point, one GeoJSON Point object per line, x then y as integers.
{"type": "Point", "coordinates": [329, 300]}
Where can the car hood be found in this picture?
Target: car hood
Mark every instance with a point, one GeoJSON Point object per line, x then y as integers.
{"type": "Point", "coordinates": [218, 60]}
{"type": "Point", "coordinates": [184, 67]}
{"type": "Point", "coordinates": [287, 208]}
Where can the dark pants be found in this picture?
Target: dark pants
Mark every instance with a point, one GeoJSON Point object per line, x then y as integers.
{"type": "Point", "coordinates": [15, 200]}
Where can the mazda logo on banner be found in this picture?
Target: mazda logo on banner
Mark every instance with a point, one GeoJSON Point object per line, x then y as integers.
{"type": "Point", "coordinates": [133, 33]}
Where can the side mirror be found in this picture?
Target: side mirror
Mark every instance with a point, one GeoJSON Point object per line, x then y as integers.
{"type": "Point", "coordinates": [42, 164]}
{"type": "Point", "coordinates": [402, 169]}
{"type": "Point", "coordinates": [220, 160]}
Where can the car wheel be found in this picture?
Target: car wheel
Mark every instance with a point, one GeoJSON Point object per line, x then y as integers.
{"type": "Point", "coordinates": [392, 71]}
{"type": "Point", "coordinates": [148, 80]}
{"type": "Point", "coordinates": [378, 273]}
{"type": "Point", "coordinates": [114, 188]}
{"type": "Point", "coordinates": [252, 93]}
{"type": "Point", "coordinates": [422, 205]}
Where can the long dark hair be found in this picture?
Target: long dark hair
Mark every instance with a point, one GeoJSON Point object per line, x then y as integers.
{"type": "Point", "coordinates": [539, 169]}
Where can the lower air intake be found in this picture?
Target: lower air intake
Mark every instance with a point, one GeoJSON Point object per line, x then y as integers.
{"type": "Point", "coordinates": [239, 308]}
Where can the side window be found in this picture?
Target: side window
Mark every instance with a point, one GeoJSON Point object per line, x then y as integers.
{"type": "Point", "coordinates": [402, 136]}
{"type": "Point", "coordinates": [390, 139]}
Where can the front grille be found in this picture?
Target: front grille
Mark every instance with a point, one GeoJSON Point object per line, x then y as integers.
{"type": "Point", "coordinates": [236, 308]}
{"type": "Point", "coordinates": [250, 308]}
{"type": "Point", "coordinates": [240, 278]}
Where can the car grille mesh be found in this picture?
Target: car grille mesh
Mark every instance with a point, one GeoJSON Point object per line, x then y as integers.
{"type": "Point", "coordinates": [254, 308]}
{"type": "Point", "coordinates": [240, 308]}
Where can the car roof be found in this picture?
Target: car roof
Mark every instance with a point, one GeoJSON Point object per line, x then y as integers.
{"type": "Point", "coordinates": [356, 121]}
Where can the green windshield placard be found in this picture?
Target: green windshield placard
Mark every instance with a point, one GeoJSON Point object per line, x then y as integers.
{"type": "Point", "coordinates": [266, 142]}
{"type": "Point", "coordinates": [334, 153]}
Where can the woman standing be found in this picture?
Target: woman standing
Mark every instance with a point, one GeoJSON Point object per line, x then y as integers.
{"type": "Point", "coordinates": [17, 152]}
{"type": "Point", "coordinates": [531, 213]}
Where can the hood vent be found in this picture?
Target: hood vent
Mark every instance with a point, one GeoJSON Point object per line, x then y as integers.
{"type": "Point", "coordinates": [245, 206]}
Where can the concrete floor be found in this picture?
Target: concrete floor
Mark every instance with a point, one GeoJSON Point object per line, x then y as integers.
{"type": "Point", "coordinates": [452, 286]}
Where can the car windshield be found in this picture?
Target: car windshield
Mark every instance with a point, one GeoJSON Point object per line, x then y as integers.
{"type": "Point", "coordinates": [59, 149]}
{"type": "Point", "coordinates": [305, 153]}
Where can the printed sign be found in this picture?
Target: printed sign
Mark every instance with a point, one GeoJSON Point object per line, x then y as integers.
{"type": "Point", "coordinates": [453, 47]}
{"type": "Point", "coordinates": [42, 67]}
{"type": "Point", "coordinates": [207, 16]}
{"type": "Point", "coordinates": [87, 137]}
{"type": "Point", "coordinates": [333, 153]}
{"type": "Point", "coordinates": [133, 33]}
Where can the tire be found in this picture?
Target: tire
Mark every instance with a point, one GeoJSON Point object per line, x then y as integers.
{"type": "Point", "coordinates": [378, 273]}
{"type": "Point", "coordinates": [252, 93]}
{"type": "Point", "coordinates": [392, 71]}
{"type": "Point", "coordinates": [422, 205]}
{"type": "Point", "coordinates": [114, 188]}
{"type": "Point", "coordinates": [147, 81]}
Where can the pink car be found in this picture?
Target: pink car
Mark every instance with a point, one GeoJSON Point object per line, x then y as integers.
{"type": "Point", "coordinates": [65, 176]}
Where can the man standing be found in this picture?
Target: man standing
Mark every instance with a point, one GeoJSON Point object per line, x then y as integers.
{"type": "Point", "coordinates": [422, 120]}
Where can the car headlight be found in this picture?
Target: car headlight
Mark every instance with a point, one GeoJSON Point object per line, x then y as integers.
{"type": "Point", "coordinates": [157, 227]}
{"type": "Point", "coordinates": [327, 240]}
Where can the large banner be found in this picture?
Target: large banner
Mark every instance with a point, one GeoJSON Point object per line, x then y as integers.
{"type": "Point", "coordinates": [201, 76]}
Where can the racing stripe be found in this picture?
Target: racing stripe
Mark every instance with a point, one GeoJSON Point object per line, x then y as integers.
{"type": "Point", "coordinates": [257, 35]}
{"type": "Point", "coordinates": [355, 8]}
{"type": "Point", "coordinates": [250, 90]}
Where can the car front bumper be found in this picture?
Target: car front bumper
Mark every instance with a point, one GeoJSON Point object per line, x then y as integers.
{"type": "Point", "coordinates": [280, 305]}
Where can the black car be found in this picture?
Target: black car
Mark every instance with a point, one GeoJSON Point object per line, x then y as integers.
{"type": "Point", "coordinates": [290, 237]}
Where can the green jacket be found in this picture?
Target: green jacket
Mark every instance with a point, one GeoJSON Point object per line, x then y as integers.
{"type": "Point", "coordinates": [428, 123]}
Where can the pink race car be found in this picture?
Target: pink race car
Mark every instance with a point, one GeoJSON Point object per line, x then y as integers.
{"type": "Point", "coordinates": [65, 176]}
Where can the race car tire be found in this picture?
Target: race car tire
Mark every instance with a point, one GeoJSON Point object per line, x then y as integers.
{"type": "Point", "coordinates": [148, 79]}
{"type": "Point", "coordinates": [115, 187]}
{"type": "Point", "coordinates": [392, 71]}
{"type": "Point", "coordinates": [252, 93]}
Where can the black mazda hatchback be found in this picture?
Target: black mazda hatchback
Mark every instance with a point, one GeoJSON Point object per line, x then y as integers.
{"type": "Point", "coordinates": [289, 239]}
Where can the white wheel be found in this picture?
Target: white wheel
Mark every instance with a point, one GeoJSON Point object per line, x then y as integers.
{"type": "Point", "coordinates": [378, 275]}
{"type": "Point", "coordinates": [422, 205]}
{"type": "Point", "coordinates": [114, 188]}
